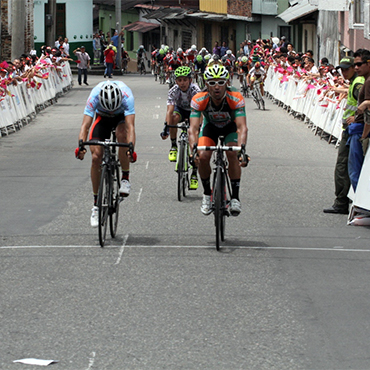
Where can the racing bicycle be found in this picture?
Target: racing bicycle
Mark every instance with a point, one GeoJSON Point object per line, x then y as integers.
{"type": "Point", "coordinates": [257, 96]}
{"type": "Point", "coordinates": [109, 198]}
{"type": "Point", "coordinates": [245, 86]}
{"type": "Point", "coordinates": [182, 162]}
{"type": "Point", "coordinates": [141, 66]}
{"type": "Point", "coordinates": [221, 186]}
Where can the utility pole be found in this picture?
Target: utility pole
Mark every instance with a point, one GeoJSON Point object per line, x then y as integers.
{"type": "Point", "coordinates": [50, 22]}
{"type": "Point", "coordinates": [118, 28]}
{"type": "Point", "coordinates": [18, 20]}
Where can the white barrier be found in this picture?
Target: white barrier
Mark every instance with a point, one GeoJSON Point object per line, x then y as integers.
{"type": "Point", "coordinates": [323, 114]}
{"type": "Point", "coordinates": [21, 103]}
{"type": "Point", "coordinates": [307, 101]}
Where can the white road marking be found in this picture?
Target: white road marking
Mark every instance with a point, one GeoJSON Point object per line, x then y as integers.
{"type": "Point", "coordinates": [155, 116]}
{"type": "Point", "coordinates": [91, 360]}
{"type": "Point", "coordinates": [138, 198]}
{"type": "Point", "coordinates": [121, 250]}
{"type": "Point", "coordinates": [308, 249]}
{"type": "Point", "coordinates": [147, 165]}
{"type": "Point", "coordinates": [157, 106]}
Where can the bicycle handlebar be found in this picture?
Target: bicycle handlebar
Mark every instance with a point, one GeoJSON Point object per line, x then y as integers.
{"type": "Point", "coordinates": [184, 124]}
{"type": "Point", "coordinates": [108, 143]}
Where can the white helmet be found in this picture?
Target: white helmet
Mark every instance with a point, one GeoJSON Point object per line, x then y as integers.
{"type": "Point", "coordinates": [193, 47]}
{"type": "Point", "coordinates": [110, 97]}
{"type": "Point", "coordinates": [179, 50]}
{"type": "Point", "coordinates": [228, 52]}
{"type": "Point", "coordinates": [141, 47]}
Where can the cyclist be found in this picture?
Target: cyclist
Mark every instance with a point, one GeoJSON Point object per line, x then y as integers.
{"type": "Point", "coordinates": [176, 60]}
{"type": "Point", "coordinates": [125, 58]}
{"type": "Point", "coordinates": [223, 110]}
{"type": "Point", "coordinates": [178, 109]}
{"type": "Point", "coordinates": [257, 74]}
{"type": "Point", "coordinates": [159, 60]}
{"type": "Point", "coordinates": [113, 104]}
{"type": "Point", "coordinates": [228, 61]}
{"type": "Point", "coordinates": [141, 53]}
{"type": "Point", "coordinates": [200, 66]}
{"type": "Point", "coordinates": [190, 55]}
{"type": "Point", "coordinates": [243, 67]}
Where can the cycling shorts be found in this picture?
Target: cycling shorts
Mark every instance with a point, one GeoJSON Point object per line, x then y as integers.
{"type": "Point", "coordinates": [184, 114]}
{"type": "Point", "coordinates": [209, 134]}
{"type": "Point", "coordinates": [103, 126]}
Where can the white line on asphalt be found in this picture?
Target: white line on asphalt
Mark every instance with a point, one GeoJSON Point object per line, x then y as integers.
{"type": "Point", "coordinates": [138, 198]}
{"type": "Point", "coordinates": [157, 106]}
{"type": "Point", "coordinates": [155, 116]}
{"type": "Point", "coordinates": [147, 165]}
{"type": "Point", "coordinates": [91, 361]}
{"type": "Point", "coordinates": [121, 250]}
{"type": "Point", "coordinates": [308, 249]}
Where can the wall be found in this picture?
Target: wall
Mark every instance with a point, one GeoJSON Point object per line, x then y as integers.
{"type": "Point", "coordinates": [240, 7]}
{"type": "Point", "coordinates": [79, 21]}
{"type": "Point", "coordinates": [213, 6]}
{"type": "Point", "coordinates": [327, 29]}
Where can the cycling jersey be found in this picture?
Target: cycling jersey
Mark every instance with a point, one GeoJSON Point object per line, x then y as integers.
{"type": "Point", "coordinates": [93, 104]}
{"type": "Point", "coordinates": [232, 106]}
{"type": "Point", "coordinates": [191, 54]}
{"type": "Point", "coordinates": [257, 73]}
{"type": "Point", "coordinates": [182, 99]}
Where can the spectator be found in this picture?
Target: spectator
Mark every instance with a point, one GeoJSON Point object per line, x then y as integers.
{"type": "Point", "coordinates": [224, 49]}
{"type": "Point", "coordinates": [357, 129]}
{"type": "Point", "coordinates": [66, 46]}
{"type": "Point", "coordinates": [341, 178]}
{"type": "Point", "coordinates": [247, 48]}
{"type": "Point", "coordinates": [109, 60]}
{"type": "Point", "coordinates": [97, 48]}
{"type": "Point", "coordinates": [217, 49]}
{"type": "Point", "coordinates": [83, 63]}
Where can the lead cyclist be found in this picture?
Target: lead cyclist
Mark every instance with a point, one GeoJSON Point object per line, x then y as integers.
{"type": "Point", "coordinates": [223, 111]}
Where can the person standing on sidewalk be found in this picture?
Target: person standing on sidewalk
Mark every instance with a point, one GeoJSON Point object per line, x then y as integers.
{"type": "Point", "coordinates": [83, 63]}
{"type": "Point", "coordinates": [341, 178]}
{"type": "Point", "coordinates": [97, 49]}
{"type": "Point", "coordinates": [109, 60]}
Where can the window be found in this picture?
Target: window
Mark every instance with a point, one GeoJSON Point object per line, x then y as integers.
{"type": "Point", "coordinates": [358, 11]}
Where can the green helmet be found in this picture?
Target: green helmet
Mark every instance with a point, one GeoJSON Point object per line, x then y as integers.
{"type": "Point", "coordinates": [199, 58]}
{"type": "Point", "coordinates": [207, 57]}
{"type": "Point", "coordinates": [244, 59]}
{"type": "Point", "coordinates": [161, 51]}
{"type": "Point", "coordinates": [216, 71]}
{"type": "Point", "coordinates": [183, 71]}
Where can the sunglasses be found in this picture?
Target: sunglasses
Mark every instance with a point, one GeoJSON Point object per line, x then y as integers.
{"type": "Point", "coordinates": [359, 64]}
{"type": "Point", "coordinates": [214, 83]}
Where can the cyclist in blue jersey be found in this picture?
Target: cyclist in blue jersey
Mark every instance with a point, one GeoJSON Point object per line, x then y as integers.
{"type": "Point", "coordinates": [112, 104]}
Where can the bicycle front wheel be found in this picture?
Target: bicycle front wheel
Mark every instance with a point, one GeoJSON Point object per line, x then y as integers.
{"type": "Point", "coordinates": [180, 171]}
{"type": "Point", "coordinates": [115, 201]}
{"type": "Point", "coordinates": [103, 204]}
{"type": "Point", "coordinates": [219, 209]}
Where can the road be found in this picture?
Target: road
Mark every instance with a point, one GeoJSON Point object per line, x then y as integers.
{"type": "Point", "coordinates": [289, 289]}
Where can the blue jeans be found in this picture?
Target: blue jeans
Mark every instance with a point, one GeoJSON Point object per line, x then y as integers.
{"type": "Point", "coordinates": [356, 154]}
{"type": "Point", "coordinates": [80, 73]}
{"type": "Point", "coordinates": [109, 69]}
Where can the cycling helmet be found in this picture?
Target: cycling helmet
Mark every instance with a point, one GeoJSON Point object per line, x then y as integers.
{"type": "Point", "coordinates": [244, 59]}
{"type": "Point", "coordinates": [183, 71]}
{"type": "Point", "coordinates": [257, 65]}
{"type": "Point", "coordinates": [141, 47]}
{"type": "Point", "coordinates": [179, 50]}
{"type": "Point", "coordinates": [110, 97]}
{"type": "Point", "coordinates": [207, 57]}
{"type": "Point", "coordinates": [193, 47]}
{"type": "Point", "coordinates": [199, 58]}
{"type": "Point", "coordinates": [228, 52]}
{"type": "Point", "coordinates": [216, 71]}
{"type": "Point", "coordinates": [161, 51]}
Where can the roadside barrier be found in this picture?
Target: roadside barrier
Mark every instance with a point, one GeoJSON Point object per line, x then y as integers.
{"type": "Point", "coordinates": [22, 102]}
{"type": "Point", "coordinates": [323, 114]}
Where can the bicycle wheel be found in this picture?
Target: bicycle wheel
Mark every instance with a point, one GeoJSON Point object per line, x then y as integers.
{"type": "Point", "coordinates": [255, 97]}
{"type": "Point", "coordinates": [218, 196]}
{"type": "Point", "coordinates": [115, 201]}
{"type": "Point", "coordinates": [185, 178]}
{"type": "Point", "coordinates": [103, 204]}
{"type": "Point", "coordinates": [180, 171]}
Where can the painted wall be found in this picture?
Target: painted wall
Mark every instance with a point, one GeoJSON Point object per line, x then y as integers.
{"type": "Point", "coordinates": [213, 6]}
{"type": "Point", "coordinates": [79, 20]}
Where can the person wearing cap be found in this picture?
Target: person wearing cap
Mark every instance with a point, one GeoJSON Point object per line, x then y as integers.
{"type": "Point", "coordinates": [341, 178]}
{"type": "Point", "coordinates": [83, 63]}
{"type": "Point", "coordinates": [247, 47]}
{"type": "Point", "coordinates": [358, 131]}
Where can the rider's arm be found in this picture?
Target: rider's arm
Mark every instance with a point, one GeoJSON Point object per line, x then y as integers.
{"type": "Point", "coordinates": [84, 131]}
{"type": "Point", "coordinates": [130, 128]}
{"type": "Point", "coordinates": [195, 122]}
{"type": "Point", "coordinates": [169, 114]}
{"type": "Point", "coordinates": [241, 129]}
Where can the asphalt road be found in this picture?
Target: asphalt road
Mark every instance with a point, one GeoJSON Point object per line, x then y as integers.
{"type": "Point", "coordinates": [289, 290]}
